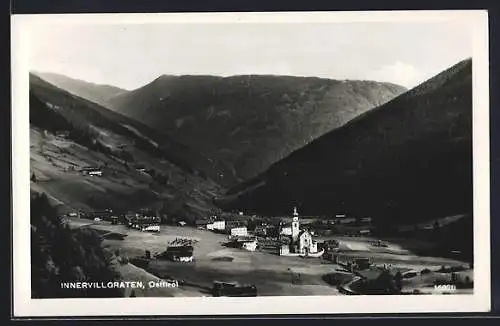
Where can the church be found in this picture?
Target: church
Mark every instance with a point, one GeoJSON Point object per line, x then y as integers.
{"type": "Point", "coordinates": [296, 241]}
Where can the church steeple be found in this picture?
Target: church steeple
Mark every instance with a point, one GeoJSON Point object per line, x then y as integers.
{"type": "Point", "coordinates": [295, 224]}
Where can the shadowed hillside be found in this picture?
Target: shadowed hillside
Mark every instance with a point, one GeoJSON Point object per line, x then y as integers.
{"type": "Point", "coordinates": [86, 115]}
{"type": "Point", "coordinates": [141, 168]}
{"type": "Point", "coordinates": [249, 122]}
{"type": "Point", "coordinates": [407, 160]}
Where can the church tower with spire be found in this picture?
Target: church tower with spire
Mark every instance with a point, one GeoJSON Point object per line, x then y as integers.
{"type": "Point", "coordinates": [295, 225]}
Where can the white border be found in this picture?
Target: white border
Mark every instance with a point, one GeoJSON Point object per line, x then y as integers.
{"type": "Point", "coordinates": [24, 306]}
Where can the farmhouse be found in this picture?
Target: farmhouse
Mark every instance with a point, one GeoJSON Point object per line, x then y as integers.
{"type": "Point", "coordinates": [91, 171]}
{"type": "Point", "coordinates": [180, 253]}
{"type": "Point", "coordinates": [219, 225]}
{"type": "Point", "coordinates": [97, 173]}
{"type": "Point", "coordinates": [114, 219]}
{"type": "Point", "coordinates": [239, 231]}
{"type": "Point", "coordinates": [361, 264]}
{"type": "Point", "coordinates": [245, 242]}
{"type": "Point", "coordinates": [250, 245]}
{"type": "Point", "coordinates": [260, 230]}
{"type": "Point", "coordinates": [230, 224]}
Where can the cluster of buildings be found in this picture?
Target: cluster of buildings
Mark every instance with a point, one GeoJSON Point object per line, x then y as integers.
{"type": "Point", "coordinates": [144, 220]}
{"type": "Point", "coordinates": [237, 231]}
{"type": "Point", "coordinates": [231, 227]}
{"type": "Point", "coordinates": [293, 239]}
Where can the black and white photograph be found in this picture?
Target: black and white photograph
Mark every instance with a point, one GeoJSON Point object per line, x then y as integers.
{"type": "Point", "coordinates": [251, 163]}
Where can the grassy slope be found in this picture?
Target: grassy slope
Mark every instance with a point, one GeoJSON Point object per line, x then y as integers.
{"type": "Point", "coordinates": [121, 188]}
{"type": "Point", "coordinates": [80, 110]}
{"type": "Point", "coordinates": [249, 122]}
{"type": "Point", "coordinates": [408, 160]}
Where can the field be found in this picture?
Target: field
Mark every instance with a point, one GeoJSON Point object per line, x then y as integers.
{"type": "Point", "coordinates": [272, 274]}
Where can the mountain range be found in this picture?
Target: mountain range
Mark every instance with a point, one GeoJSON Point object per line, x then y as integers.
{"type": "Point", "coordinates": [97, 93]}
{"type": "Point", "coordinates": [326, 146]}
{"type": "Point", "coordinates": [409, 159]}
{"type": "Point", "coordinates": [243, 123]}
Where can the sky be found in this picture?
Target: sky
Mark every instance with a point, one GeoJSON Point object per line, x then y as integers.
{"type": "Point", "coordinates": [132, 55]}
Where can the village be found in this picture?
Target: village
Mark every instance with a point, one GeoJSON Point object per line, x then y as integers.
{"type": "Point", "coordinates": [292, 255]}
{"type": "Point", "coordinates": [241, 254]}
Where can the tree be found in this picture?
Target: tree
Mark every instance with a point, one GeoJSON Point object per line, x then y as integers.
{"type": "Point", "coordinates": [398, 278]}
{"type": "Point", "coordinates": [454, 278]}
{"type": "Point", "coordinates": [60, 254]}
{"type": "Point", "coordinates": [33, 177]}
{"type": "Point", "coordinates": [384, 283]}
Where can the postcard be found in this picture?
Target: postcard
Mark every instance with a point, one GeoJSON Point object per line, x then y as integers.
{"type": "Point", "coordinates": [189, 164]}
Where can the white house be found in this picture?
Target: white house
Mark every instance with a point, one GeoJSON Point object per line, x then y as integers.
{"type": "Point", "coordinates": [239, 231]}
{"type": "Point", "coordinates": [287, 230]}
{"type": "Point", "coordinates": [284, 250]}
{"type": "Point", "coordinates": [152, 228]}
{"type": "Point", "coordinates": [180, 253]}
{"type": "Point", "coordinates": [97, 173]}
{"type": "Point", "coordinates": [217, 225]}
{"type": "Point", "coordinates": [250, 245]}
{"type": "Point", "coordinates": [185, 259]}
{"type": "Point", "coordinates": [93, 171]}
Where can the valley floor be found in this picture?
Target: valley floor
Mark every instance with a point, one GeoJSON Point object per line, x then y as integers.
{"type": "Point", "coordinates": [272, 274]}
